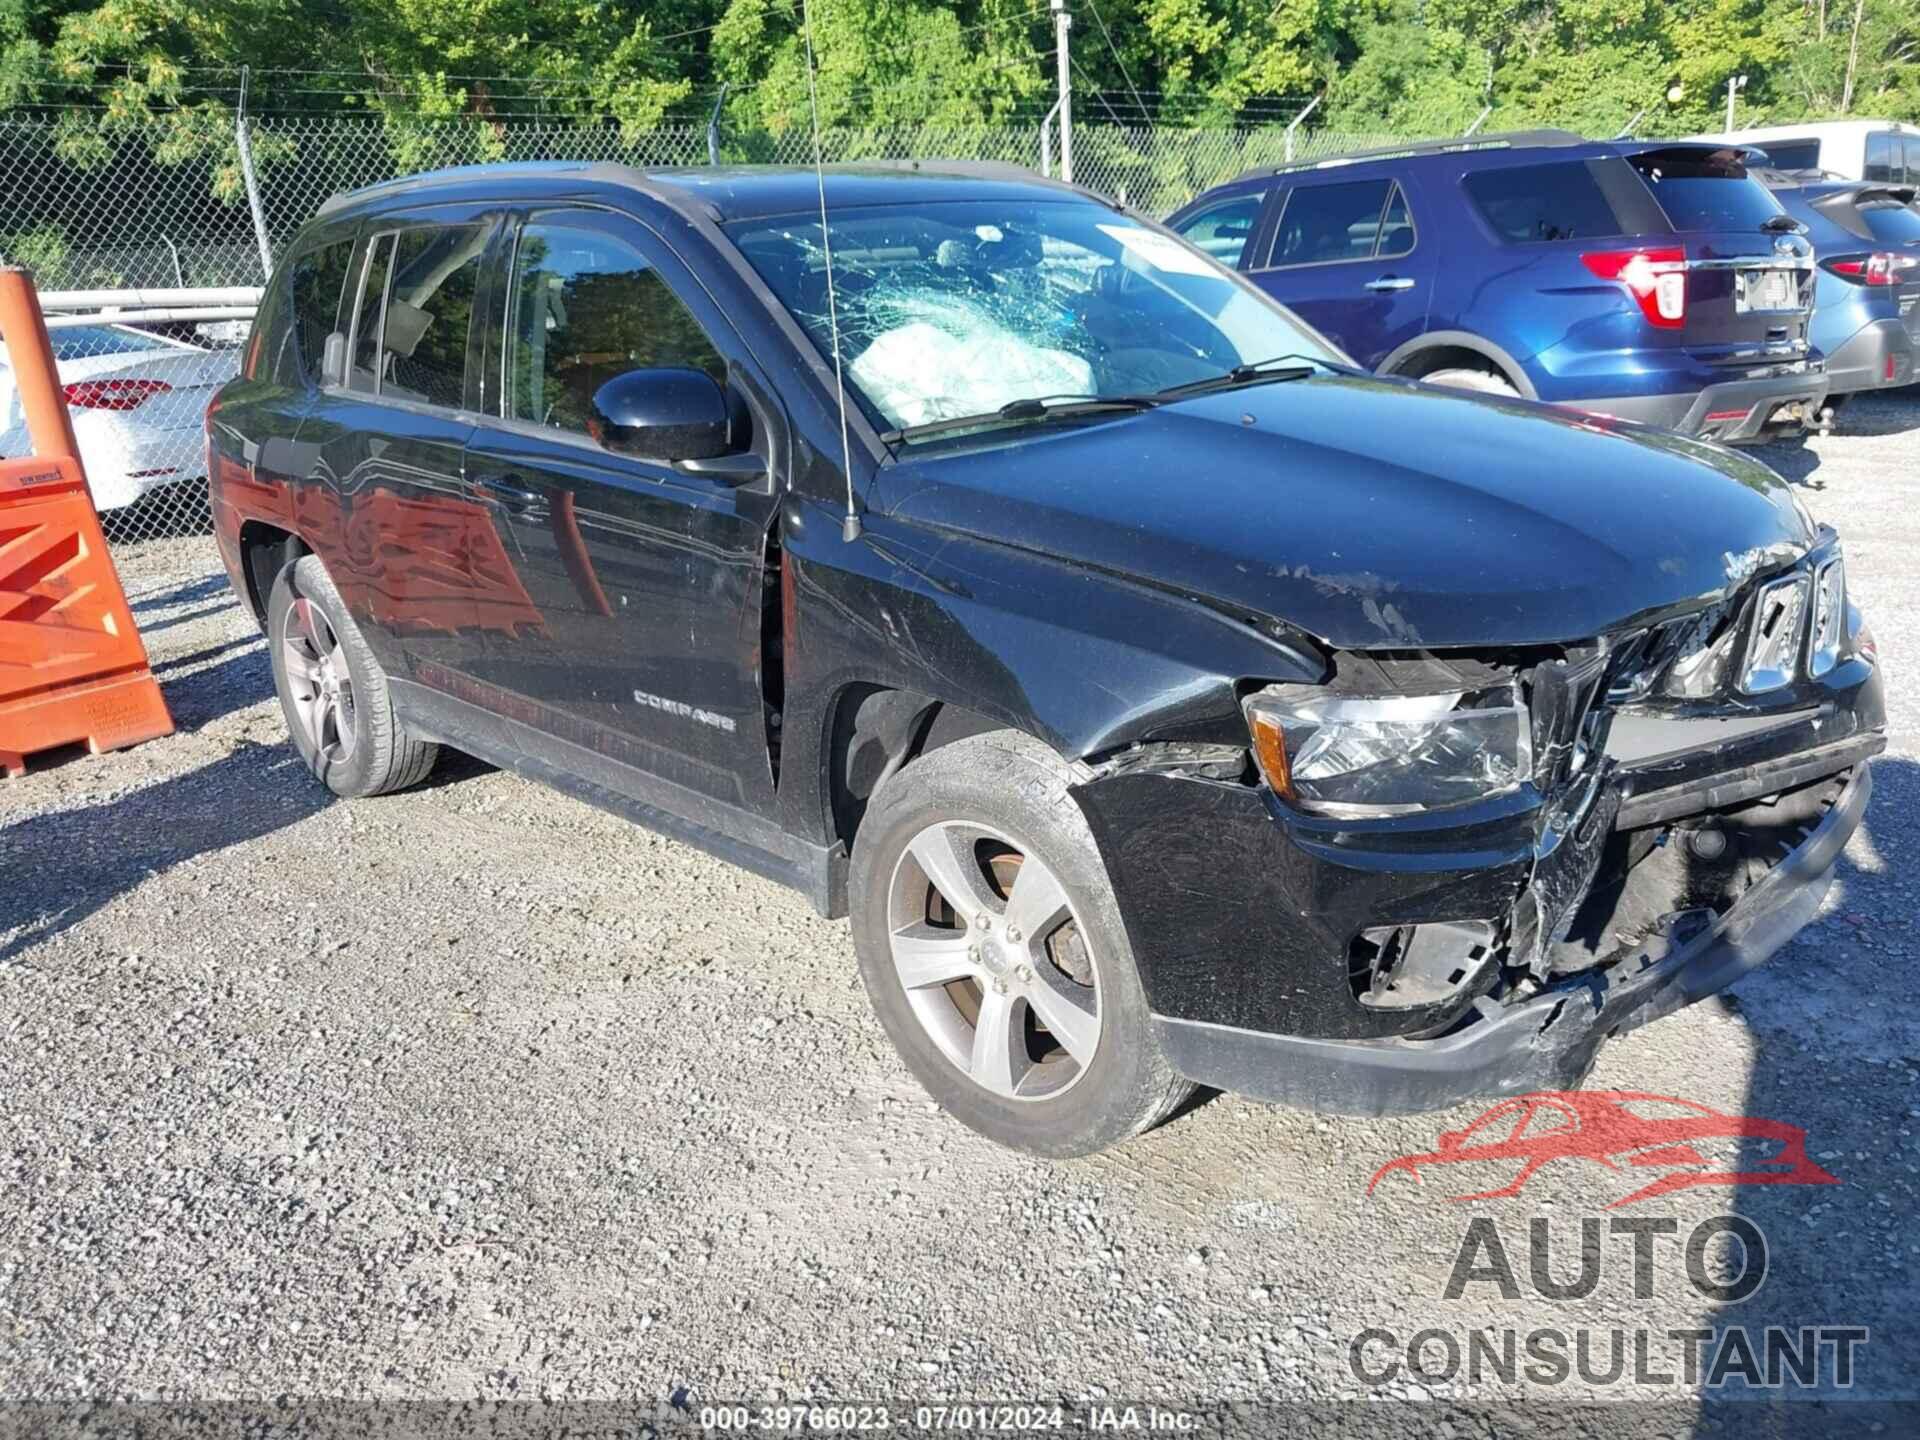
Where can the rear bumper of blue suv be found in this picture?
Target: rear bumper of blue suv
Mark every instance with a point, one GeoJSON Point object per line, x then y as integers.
{"type": "Point", "coordinates": [1731, 411]}
{"type": "Point", "coordinates": [1879, 354]}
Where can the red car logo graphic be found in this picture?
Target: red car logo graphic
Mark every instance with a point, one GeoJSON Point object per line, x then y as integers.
{"type": "Point", "coordinates": [1617, 1129]}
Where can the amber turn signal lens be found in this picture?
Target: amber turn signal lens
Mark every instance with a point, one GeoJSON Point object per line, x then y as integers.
{"type": "Point", "coordinates": [1270, 750]}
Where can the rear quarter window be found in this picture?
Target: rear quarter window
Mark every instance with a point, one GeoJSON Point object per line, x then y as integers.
{"type": "Point", "coordinates": [1705, 190]}
{"type": "Point", "coordinates": [1563, 200]}
{"type": "Point", "coordinates": [298, 318]}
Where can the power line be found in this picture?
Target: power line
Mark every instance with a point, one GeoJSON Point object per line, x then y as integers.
{"type": "Point", "coordinates": [1095, 93]}
{"type": "Point", "coordinates": [1107, 35]}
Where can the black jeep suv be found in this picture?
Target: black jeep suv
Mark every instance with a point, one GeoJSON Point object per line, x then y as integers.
{"type": "Point", "coordinates": [1165, 700]}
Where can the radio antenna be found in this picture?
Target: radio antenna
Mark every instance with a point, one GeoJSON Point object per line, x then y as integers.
{"type": "Point", "coordinates": [850, 525]}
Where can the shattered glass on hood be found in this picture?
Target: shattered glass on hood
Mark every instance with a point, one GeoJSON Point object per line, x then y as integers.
{"type": "Point", "coordinates": [952, 309]}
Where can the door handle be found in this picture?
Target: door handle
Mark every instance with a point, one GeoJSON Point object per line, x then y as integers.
{"type": "Point", "coordinates": [1391, 282]}
{"type": "Point", "coordinates": [507, 492]}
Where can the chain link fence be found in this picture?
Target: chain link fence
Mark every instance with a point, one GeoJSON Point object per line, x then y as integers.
{"type": "Point", "coordinates": [87, 210]}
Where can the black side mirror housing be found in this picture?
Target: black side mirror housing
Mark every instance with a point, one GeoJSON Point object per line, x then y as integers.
{"type": "Point", "coordinates": [669, 414]}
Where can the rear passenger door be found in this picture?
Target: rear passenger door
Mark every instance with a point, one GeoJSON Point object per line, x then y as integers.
{"type": "Point", "coordinates": [417, 560]}
{"type": "Point", "coordinates": [1347, 257]}
{"type": "Point", "coordinates": [649, 579]}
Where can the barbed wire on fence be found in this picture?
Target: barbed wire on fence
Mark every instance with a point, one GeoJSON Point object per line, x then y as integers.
{"type": "Point", "coordinates": [121, 213]}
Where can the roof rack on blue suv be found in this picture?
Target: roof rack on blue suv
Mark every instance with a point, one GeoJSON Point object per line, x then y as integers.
{"type": "Point", "coordinates": [1491, 140]}
{"type": "Point", "coordinates": [1647, 280]}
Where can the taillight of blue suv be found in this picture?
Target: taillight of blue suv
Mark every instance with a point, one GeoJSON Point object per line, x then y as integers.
{"type": "Point", "coordinates": [1655, 276]}
{"type": "Point", "coordinates": [1882, 267]}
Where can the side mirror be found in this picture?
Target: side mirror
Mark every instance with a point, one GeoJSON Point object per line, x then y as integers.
{"type": "Point", "coordinates": [672, 414]}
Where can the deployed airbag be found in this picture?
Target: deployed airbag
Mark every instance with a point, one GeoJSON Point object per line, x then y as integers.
{"type": "Point", "coordinates": [922, 371]}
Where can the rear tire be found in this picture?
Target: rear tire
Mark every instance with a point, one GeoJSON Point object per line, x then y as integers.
{"type": "Point", "coordinates": [1483, 382]}
{"type": "Point", "coordinates": [956, 853]}
{"type": "Point", "coordinates": [334, 694]}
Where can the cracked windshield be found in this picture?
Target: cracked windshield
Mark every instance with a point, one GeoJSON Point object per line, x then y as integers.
{"type": "Point", "coordinates": [960, 309]}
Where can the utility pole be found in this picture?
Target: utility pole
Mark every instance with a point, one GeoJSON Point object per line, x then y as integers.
{"type": "Point", "coordinates": [1735, 84]}
{"type": "Point", "coordinates": [1853, 57]}
{"type": "Point", "coordinates": [243, 145]}
{"type": "Point", "coordinates": [1062, 23]}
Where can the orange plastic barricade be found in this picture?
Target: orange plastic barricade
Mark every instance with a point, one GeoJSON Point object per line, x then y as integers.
{"type": "Point", "coordinates": [72, 666]}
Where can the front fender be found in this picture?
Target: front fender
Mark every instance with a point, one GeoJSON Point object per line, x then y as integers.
{"type": "Point", "coordinates": [1086, 661]}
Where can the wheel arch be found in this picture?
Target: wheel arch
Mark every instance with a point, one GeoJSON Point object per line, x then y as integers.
{"type": "Point", "coordinates": [1446, 349]}
{"type": "Point", "coordinates": [264, 549]}
{"type": "Point", "coordinates": [874, 731]}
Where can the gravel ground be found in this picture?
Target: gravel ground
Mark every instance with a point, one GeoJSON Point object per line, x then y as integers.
{"type": "Point", "coordinates": [477, 1092]}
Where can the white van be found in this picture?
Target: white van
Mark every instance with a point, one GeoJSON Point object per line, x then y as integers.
{"type": "Point", "coordinates": [1855, 149]}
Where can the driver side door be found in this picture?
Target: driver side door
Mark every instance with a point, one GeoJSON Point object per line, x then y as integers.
{"type": "Point", "coordinates": [648, 580]}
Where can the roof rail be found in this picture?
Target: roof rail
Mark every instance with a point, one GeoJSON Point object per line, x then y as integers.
{"type": "Point", "coordinates": [450, 175]}
{"type": "Point", "coordinates": [1495, 140]}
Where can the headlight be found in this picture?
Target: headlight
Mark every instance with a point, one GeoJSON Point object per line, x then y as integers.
{"type": "Point", "coordinates": [1388, 755]}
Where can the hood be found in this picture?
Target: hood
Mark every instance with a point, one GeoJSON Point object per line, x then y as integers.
{"type": "Point", "coordinates": [1375, 513]}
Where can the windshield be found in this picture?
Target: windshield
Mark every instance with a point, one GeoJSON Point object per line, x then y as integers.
{"type": "Point", "coordinates": [959, 308]}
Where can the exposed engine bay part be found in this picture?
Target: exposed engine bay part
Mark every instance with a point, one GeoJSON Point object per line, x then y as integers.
{"type": "Point", "coordinates": [1405, 967]}
{"type": "Point", "coordinates": [1704, 865]}
{"type": "Point", "coordinates": [1194, 759]}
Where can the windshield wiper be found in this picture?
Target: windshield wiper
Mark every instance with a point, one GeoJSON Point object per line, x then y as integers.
{"type": "Point", "coordinates": [1024, 410]}
{"type": "Point", "coordinates": [1271, 371]}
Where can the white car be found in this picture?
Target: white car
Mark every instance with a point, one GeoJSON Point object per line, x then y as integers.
{"type": "Point", "coordinates": [1883, 150]}
{"type": "Point", "coordinates": [136, 399]}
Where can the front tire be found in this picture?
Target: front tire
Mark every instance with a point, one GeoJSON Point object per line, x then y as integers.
{"type": "Point", "coordinates": [333, 693]}
{"type": "Point", "coordinates": [994, 954]}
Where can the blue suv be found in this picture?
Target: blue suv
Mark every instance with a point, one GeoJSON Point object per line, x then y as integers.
{"type": "Point", "coordinates": [1866, 316]}
{"type": "Point", "coordinates": [1652, 281]}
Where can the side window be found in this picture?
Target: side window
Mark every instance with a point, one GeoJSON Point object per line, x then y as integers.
{"type": "Point", "coordinates": [1223, 229]}
{"type": "Point", "coordinates": [364, 373]}
{"type": "Point", "coordinates": [584, 307]}
{"type": "Point", "coordinates": [303, 312]}
{"type": "Point", "coordinates": [1330, 222]}
{"type": "Point", "coordinates": [1531, 203]}
{"type": "Point", "coordinates": [1881, 159]}
{"type": "Point", "coordinates": [1912, 176]}
{"type": "Point", "coordinates": [1396, 227]}
{"type": "Point", "coordinates": [436, 275]}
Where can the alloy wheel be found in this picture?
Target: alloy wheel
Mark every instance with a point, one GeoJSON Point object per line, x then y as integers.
{"type": "Point", "coordinates": [319, 682]}
{"type": "Point", "coordinates": [995, 964]}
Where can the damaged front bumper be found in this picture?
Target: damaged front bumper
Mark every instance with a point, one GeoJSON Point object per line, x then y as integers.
{"type": "Point", "coordinates": [1545, 1042]}
{"type": "Point", "coordinates": [1673, 838]}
